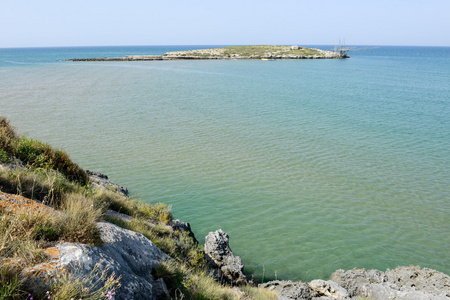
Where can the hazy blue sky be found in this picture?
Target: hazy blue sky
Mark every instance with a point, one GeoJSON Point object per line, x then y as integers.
{"type": "Point", "coordinates": [29, 23]}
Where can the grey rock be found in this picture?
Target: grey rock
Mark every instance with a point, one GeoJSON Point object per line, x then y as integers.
{"type": "Point", "coordinates": [181, 226]}
{"type": "Point", "coordinates": [117, 215]}
{"type": "Point", "coordinates": [126, 253]}
{"type": "Point", "coordinates": [328, 289]}
{"type": "Point", "coordinates": [288, 290]}
{"type": "Point", "coordinates": [401, 283]}
{"type": "Point", "coordinates": [102, 180]}
{"type": "Point", "coordinates": [220, 258]}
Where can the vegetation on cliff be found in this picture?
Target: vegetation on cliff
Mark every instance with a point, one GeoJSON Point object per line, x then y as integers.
{"type": "Point", "coordinates": [68, 210]}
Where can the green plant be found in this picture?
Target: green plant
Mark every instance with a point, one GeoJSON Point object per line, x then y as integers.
{"type": "Point", "coordinates": [4, 157]}
{"type": "Point", "coordinates": [8, 135]}
{"type": "Point", "coordinates": [10, 283]}
{"type": "Point", "coordinates": [160, 212]}
{"type": "Point", "coordinates": [41, 155]}
{"type": "Point", "coordinates": [38, 154]}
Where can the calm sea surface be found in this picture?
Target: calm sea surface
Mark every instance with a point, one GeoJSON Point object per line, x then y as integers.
{"type": "Point", "coordinates": [309, 165]}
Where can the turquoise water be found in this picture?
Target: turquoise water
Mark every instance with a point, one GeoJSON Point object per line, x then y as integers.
{"type": "Point", "coordinates": [309, 165]}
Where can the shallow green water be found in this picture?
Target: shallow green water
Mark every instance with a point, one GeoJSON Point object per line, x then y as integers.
{"type": "Point", "coordinates": [310, 166]}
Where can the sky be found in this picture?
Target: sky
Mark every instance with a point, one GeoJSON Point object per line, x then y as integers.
{"type": "Point", "coordinates": [54, 23]}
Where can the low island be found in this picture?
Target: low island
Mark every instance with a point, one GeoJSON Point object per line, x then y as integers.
{"type": "Point", "coordinates": [264, 52]}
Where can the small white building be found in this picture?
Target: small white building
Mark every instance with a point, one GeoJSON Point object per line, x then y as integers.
{"type": "Point", "coordinates": [295, 47]}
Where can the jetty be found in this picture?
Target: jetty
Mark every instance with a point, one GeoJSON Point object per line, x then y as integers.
{"type": "Point", "coordinates": [264, 52]}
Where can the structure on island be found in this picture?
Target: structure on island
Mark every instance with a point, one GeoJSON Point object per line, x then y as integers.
{"type": "Point", "coordinates": [341, 50]}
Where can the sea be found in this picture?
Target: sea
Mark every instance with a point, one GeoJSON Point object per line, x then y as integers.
{"type": "Point", "coordinates": [309, 165]}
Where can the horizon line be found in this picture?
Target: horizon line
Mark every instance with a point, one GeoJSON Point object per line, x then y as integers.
{"type": "Point", "coordinates": [218, 45]}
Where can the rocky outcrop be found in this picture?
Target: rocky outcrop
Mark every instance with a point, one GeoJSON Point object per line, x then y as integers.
{"type": "Point", "coordinates": [124, 253]}
{"type": "Point", "coordinates": [401, 283]}
{"type": "Point", "coordinates": [314, 290]}
{"type": "Point", "coordinates": [101, 180]}
{"type": "Point", "coordinates": [330, 289]}
{"type": "Point", "coordinates": [288, 290]}
{"type": "Point", "coordinates": [178, 225]}
{"type": "Point", "coordinates": [225, 265]}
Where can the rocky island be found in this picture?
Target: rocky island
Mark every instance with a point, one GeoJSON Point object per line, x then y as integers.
{"type": "Point", "coordinates": [69, 233]}
{"type": "Point", "coordinates": [264, 52]}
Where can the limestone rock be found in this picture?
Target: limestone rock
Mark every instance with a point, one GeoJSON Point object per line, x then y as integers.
{"type": "Point", "coordinates": [401, 283]}
{"type": "Point", "coordinates": [126, 253]}
{"type": "Point", "coordinates": [102, 180]}
{"type": "Point", "coordinates": [221, 259]}
{"type": "Point", "coordinates": [328, 289]}
{"type": "Point", "coordinates": [117, 215]}
{"type": "Point", "coordinates": [288, 290]}
{"type": "Point", "coordinates": [181, 226]}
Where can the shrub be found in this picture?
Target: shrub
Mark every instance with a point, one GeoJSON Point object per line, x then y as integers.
{"type": "Point", "coordinates": [4, 157]}
{"type": "Point", "coordinates": [8, 135]}
{"type": "Point", "coordinates": [159, 211]}
{"type": "Point", "coordinates": [38, 154]}
{"type": "Point", "coordinates": [41, 155]}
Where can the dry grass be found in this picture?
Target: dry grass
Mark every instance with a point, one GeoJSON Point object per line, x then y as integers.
{"type": "Point", "coordinates": [187, 283]}
{"type": "Point", "coordinates": [159, 213]}
{"type": "Point", "coordinates": [77, 221]}
{"type": "Point", "coordinates": [258, 293]}
{"type": "Point", "coordinates": [44, 185]}
{"type": "Point", "coordinates": [17, 237]}
{"type": "Point", "coordinates": [18, 250]}
{"type": "Point", "coordinates": [25, 229]}
{"type": "Point", "coordinates": [183, 283]}
{"type": "Point", "coordinates": [98, 284]}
